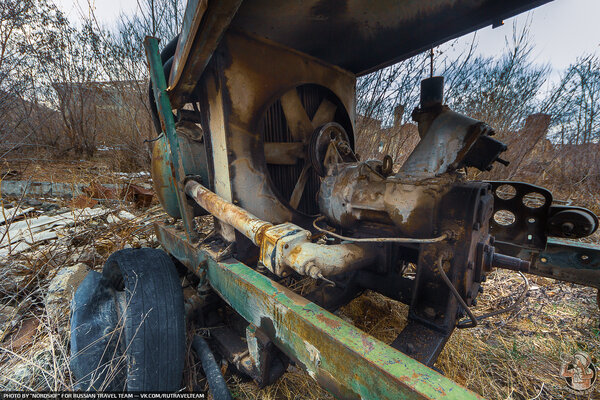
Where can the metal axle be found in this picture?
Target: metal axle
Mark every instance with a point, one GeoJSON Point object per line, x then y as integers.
{"type": "Point", "coordinates": [285, 246]}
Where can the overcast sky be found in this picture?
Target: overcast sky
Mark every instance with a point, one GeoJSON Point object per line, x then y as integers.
{"type": "Point", "coordinates": [561, 30]}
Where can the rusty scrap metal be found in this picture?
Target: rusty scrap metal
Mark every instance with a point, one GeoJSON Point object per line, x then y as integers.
{"type": "Point", "coordinates": [283, 153]}
{"type": "Point", "coordinates": [288, 246]}
{"type": "Point", "coordinates": [214, 21]}
{"type": "Point", "coordinates": [566, 260]}
{"type": "Point", "coordinates": [362, 36]}
{"type": "Point", "coordinates": [354, 193]}
{"type": "Point", "coordinates": [449, 140]}
{"type": "Point", "coordinates": [277, 115]}
{"type": "Point", "coordinates": [194, 11]}
{"type": "Point", "coordinates": [194, 160]}
{"type": "Point", "coordinates": [141, 196]}
{"type": "Point", "coordinates": [246, 223]}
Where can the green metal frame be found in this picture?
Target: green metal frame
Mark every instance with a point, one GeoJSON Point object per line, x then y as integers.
{"type": "Point", "coordinates": [163, 105]}
{"type": "Point", "coordinates": [340, 357]}
{"type": "Point", "coordinates": [567, 260]}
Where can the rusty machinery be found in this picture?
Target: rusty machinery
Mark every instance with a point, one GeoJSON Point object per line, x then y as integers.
{"type": "Point", "coordinates": [258, 111]}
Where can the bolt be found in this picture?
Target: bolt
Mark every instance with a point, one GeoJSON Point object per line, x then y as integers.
{"type": "Point", "coordinates": [429, 312]}
{"type": "Point", "coordinates": [480, 290]}
{"type": "Point", "coordinates": [567, 227]}
{"type": "Point", "coordinates": [260, 267]}
{"type": "Point", "coordinates": [474, 302]}
{"type": "Point", "coordinates": [312, 270]}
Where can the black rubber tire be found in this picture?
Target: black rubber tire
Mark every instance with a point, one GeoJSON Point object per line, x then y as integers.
{"type": "Point", "coordinates": [154, 318]}
{"type": "Point", "coordinates": [169, 50]}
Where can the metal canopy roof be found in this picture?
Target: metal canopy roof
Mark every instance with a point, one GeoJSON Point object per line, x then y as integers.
{"type": "Point", "coordinates": [365, 35]}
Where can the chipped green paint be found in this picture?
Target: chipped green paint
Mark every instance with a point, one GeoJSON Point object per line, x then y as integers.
{"type": "Point", "coordinates": [340, 357]}
{"type": "Point", "coordinates": [163, 105]}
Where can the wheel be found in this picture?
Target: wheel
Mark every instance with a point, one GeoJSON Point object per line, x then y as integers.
{"type": "Point", "coordinates": [146, 294]}
{"type": "Point", "coordinates": [154, 317]}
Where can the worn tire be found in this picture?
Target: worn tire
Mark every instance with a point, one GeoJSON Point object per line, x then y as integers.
{"type": "Point", "coordinates": [154, 318]}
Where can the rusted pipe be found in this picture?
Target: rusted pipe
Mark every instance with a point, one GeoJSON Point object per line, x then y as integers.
{"type": "Point", "coordinates": [285, 245]}
{"type": "Point", "coordinates": [249, 225]}
{"type": "Point", "coordinates": [317, 260]}
{"type": "Point", "coordinates": [508, 262]}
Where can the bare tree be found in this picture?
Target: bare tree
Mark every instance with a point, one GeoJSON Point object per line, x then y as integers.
{"type": "Point", "coordinates": [73, 73]}
{"type": "Point", "coordinates": [121, 55]}
{"type": "Point", "coordinates": [577, 103]}
{"type": "Point", "coordinates": [501, 91]}
{"type": "Point", "coordinates": [25, 29]}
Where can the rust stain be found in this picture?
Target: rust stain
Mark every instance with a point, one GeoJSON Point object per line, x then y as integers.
{"type": "Point", "coordinates": [367, 343]}
{"type": "Point", "coordinates": [331, 323]}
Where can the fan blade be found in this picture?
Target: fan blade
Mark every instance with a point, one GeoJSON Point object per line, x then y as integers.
{"type": "Point", "coordinates": [325, 113]}
{"type": "Point", "coordinates": [282, 153]}
{"type": "Point", "coordinates": [299, 188]}
{"type": "Point", "coordinates": [295, 115]}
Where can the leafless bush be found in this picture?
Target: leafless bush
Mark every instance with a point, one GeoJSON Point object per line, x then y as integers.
{"type": "Point", "coordinates": [73, 89]}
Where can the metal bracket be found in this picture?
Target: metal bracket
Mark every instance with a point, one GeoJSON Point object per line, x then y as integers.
{"type": "Point", "coordinates": [566, 260]}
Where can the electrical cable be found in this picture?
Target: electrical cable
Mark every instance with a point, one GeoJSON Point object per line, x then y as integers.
{"type": "Point", "coordinates": [512, 306]}
{"type": "Point", "coordinates": [464, 305]}
{"type": "Point", "coordinates": [155, 139]}
{"type": "Point", "coordinates": [475, 319]}
{"type": "Point", "coordinates": [440, 238]}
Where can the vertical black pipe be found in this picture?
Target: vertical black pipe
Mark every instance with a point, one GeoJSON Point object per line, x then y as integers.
{"type": "Point", "coordinates": [215, 379]}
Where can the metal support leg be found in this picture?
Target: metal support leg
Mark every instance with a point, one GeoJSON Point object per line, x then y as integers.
{"type": "Point", "coordinates": [163, 105]}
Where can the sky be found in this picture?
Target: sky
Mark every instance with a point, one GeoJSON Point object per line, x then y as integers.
{"type": "Point", "coordinates": [561, 30]}
{"type": "Point", "coordinates": [106, 11]}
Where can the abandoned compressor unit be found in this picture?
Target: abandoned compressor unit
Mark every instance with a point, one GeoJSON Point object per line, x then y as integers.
{"type": "Point", "coordinates": [254, 104]}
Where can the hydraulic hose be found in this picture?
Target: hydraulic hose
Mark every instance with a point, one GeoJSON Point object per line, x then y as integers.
{"type": "Point", "coordinates": [215, 379]}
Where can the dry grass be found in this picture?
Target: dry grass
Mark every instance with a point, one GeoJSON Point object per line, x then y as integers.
{"type": "Point", "coordinates": [511, 356]}
{"type": "Point", "coordinates": [34, 346]}
{"type": "Point", "coordinates": [518, 355]}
